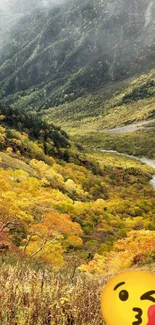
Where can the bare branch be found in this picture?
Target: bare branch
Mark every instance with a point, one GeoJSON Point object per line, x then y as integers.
{"type": "Point", "coordinates": [7, 224]}
{"type": "Point", "coordinates": [33, 234]}
{"type": "Point", "coordinates": [44, 246]}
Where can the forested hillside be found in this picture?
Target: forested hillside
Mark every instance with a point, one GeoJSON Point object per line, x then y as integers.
{"type": "Point", "coordinates": [63, 214]}
{"type": "Point", "coordinates": [54, 53]}
{"type": "Point", "coordinates": [84, 66]}
{"type": "Point", "coordinates": [60, 201]}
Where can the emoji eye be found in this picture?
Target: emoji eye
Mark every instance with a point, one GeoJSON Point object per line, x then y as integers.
{"type": "Point", "coordinates": [123, 295]}
{"type": "Point", "coordinates": [148, 296]}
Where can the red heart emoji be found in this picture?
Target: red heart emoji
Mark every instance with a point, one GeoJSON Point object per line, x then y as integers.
{"type": "Point", "coordinates": [151, 315]}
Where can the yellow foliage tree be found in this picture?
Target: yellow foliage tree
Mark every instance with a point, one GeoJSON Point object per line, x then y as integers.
{"type": "Point", "coordinates": [135, 248]}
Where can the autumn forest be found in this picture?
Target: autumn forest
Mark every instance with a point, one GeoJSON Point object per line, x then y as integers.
{"type": "Point", "coordinates": [77, 154]}
{"type": "Point", "coordinates": [68, 210]}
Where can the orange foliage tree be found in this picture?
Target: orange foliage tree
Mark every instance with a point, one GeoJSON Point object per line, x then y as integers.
{"type": "Point", "coordinates": [49, 238]}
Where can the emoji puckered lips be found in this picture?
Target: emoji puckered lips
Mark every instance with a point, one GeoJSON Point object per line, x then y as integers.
{"type": "Point", "coordinates": [151, 315]}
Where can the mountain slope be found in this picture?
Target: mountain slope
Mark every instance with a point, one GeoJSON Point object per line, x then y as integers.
{"type": "Point", "coordinates": [57, 201]}
{"type": "Point", "coordinates": [59, 53]}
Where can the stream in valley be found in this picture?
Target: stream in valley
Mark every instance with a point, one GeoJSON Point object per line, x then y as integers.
{"type": "Point", "coordinates": [144, 160]}
{"type": "Point", "coordinates": [133, 128]}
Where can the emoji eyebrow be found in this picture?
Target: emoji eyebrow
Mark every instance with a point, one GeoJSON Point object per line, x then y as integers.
{"type": "Point", "coordinates": [147, 295]}
{"type": "Point", "coordinates": [118, 285]}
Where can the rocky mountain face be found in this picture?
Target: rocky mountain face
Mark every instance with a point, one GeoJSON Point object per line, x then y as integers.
{"type": "Point", "coordinates": [54, 53]}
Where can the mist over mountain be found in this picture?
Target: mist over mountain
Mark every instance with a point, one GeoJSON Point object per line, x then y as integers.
{"type": "Point", "coordinates": [51, 53]}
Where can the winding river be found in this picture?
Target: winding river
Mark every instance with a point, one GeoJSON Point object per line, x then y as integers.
{"type": "Point", "coordinates": [144, 160]}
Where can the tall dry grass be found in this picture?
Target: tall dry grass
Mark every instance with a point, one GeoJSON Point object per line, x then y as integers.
{"type": "Point", "coordinates": [29, 297]}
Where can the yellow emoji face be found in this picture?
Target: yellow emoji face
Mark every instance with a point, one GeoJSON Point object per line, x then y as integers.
{"type": "Point", "coordinates": [129, 299]}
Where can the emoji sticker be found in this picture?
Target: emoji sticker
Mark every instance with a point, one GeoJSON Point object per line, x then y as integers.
{"type": "Point", "coordinates": [129, 299]}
